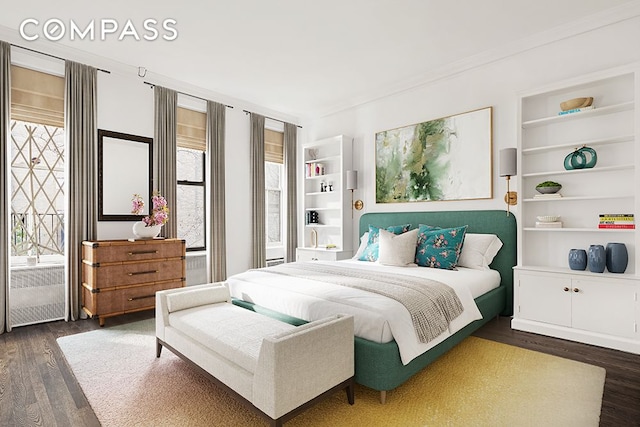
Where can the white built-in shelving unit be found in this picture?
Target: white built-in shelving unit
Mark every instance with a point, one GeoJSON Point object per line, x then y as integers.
{"type": "Point", "coordinates": [550, 298]}
{"type": "Point", "coordinates": [325, 194]}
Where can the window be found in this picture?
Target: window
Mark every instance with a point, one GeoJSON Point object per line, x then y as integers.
{"type": "Point", "coordinates": [273, 196]}
{"type": "Point", "coordinates": [274, 193]}
{"type": "Point", "coordinates": [37, 293]}
{"type": "Point", "coordinates": [37, 163]}
{"type": "Point", "coordinates": [190, 172]}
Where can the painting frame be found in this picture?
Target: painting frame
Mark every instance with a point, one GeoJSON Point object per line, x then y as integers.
{"type": "Point", "coordinates": [444, 159]}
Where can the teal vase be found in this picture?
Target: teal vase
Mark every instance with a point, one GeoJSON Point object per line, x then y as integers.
{"type": "Point", "coordinates": [617, 257]}
{"type": "Point", "coordinates": [596, 259]}
{"type": "Point", "coordinates": [577, 259]}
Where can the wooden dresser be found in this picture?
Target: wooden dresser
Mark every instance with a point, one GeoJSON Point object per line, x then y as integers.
{"type": "Point", "coordinates": [122, 276]}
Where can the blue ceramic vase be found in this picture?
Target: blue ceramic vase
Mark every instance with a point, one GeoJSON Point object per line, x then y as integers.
{"type": "Point", "coordinates": [577, 259]}
{"type": "Point", "coordinates": [596, 258]}
{"type": "Point", "coordinates": [616, 257]}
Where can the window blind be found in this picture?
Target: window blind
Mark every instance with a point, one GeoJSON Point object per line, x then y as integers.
{"type": "Point", "coordinates": [273, 146]}
{"type": "Point", "coordinates": [37, 97]}
{"type": "Point", "coordinates": [191, 129]}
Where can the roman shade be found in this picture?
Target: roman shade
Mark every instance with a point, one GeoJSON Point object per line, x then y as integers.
{"type": "Point", "coordinates": [37, 97]}
{"type": "Point", "coordinates": [273, 146]}
{"type": "Point", "coordinates": [191, 129]}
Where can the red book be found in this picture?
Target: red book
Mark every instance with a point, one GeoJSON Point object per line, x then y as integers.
{"type": "Point", "coordinates": [625, 226]}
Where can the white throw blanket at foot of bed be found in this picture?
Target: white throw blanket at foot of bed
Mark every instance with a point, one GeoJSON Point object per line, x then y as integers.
{"type": "Point", "coordinates": [377, 317]}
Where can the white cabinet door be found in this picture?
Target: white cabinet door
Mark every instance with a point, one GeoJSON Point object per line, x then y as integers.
{"type": "Point", "coordinates": [604, 306]}
{"type": "Point", "coordinates": [544, 298]}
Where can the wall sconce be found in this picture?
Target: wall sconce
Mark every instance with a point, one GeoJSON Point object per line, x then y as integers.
{"type": "Point", "coordinates": [352, 184]}
{"type": "Point", "coordinates": [509, 168]}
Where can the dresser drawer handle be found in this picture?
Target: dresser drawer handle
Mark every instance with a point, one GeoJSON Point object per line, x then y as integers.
{"type": "Point", "coordinates": [142, 252]}
{"type": "Point", "coordinates": [143, 272]}
{"type": "Point", "coordinates": [142, 297]}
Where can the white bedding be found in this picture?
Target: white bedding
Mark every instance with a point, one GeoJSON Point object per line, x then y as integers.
{"type": "Point", "coordinates": [377, 318]}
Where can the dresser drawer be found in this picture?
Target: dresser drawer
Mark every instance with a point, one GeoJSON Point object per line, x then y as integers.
{"type": "Point", "coordinates": [108, 276]}
{"type": "Point", "coordinates": [96, 253]}
{"type": "Point", "coordinates": [141, 297]}
{"type": "Point", "coordinates": [123, 300]}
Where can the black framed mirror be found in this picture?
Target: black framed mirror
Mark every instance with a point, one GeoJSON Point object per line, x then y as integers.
{"type": "Point", "coordinates": [125, 168]}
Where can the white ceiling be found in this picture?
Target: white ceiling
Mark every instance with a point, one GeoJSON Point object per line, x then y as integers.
{"type": "Point", "coordinates": [306, 58]}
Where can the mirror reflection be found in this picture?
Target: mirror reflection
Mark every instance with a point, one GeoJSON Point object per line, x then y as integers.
{"type": "Point", "coordinates": [124, 169]}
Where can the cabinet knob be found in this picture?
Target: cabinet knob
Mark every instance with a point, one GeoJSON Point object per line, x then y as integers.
{"type": "Point", "coordinates": [576, 290]}
{"type": "Point", "coordinates": [566, 289]}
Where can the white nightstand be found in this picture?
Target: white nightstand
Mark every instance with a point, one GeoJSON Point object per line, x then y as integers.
{"type": "Point", "coordinates": [321, 254]}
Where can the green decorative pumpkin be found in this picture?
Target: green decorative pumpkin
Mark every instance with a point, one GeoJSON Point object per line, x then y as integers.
{"type": "Point", "coordinates": [581, 158]}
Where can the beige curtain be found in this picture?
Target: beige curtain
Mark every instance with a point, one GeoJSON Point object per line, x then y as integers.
{"type": "Point", "coordinates": [164, 153]}
{"type": "Point", "coordinates": [258, 232]}
{"type": "Point", "coordinates": [5, 194]}
{"type": "Point", "coordinates": [215, 152]}
{"type": "Point", "coordinates": [291, 190]}
{"type": "Point", "coordinates": [81, 136]}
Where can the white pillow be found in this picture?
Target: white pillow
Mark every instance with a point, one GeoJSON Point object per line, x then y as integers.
{"type": "Point", "coordinates": [478, 250]}
{"type": "Point", "coordinates": [363, 245]}
{"type": "Point", "coordinates": [397, 249]}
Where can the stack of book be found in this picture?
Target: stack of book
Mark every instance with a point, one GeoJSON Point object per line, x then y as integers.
{"type": "Point", "coordinates": [547, 196]}
{"type": "Point", "coordinates": [576, 110]}
{"type": "Point", "coordinates": [624, 221]}
{"type": "Point", "coordinates": [548, 221]}
{"type": "Point", "coordinates": [548, 224]}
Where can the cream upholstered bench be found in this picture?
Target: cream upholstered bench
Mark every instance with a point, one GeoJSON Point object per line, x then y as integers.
{"type": "Point", "coordinates": [276, 368]}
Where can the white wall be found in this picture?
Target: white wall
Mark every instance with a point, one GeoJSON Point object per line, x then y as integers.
{"type": "Point", "coordinates": [496, 84]}
{"type": "Point", "coordinates": [125, 104]}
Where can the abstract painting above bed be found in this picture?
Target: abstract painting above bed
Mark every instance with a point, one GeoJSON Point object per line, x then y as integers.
{"type": "Point", "coordinates": [442, 159]}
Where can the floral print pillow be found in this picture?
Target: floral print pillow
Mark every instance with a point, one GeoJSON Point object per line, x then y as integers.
{"type": "Point", "coordinates": [439, 248]}
{"type": "Point", "coordinates": [373, 246]}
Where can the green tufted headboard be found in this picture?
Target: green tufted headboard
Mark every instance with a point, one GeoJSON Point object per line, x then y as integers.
{"type": "Point", "coordinates": [490, 222]}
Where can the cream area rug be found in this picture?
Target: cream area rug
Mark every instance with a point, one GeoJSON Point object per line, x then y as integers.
{"type": "Point", "coordinates": [478, 383]}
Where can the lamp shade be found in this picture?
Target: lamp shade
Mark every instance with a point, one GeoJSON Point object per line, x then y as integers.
{"type": "Point", "coordinates": [508, 162]}
{"type": "Point", "coordinates": [352, 180]}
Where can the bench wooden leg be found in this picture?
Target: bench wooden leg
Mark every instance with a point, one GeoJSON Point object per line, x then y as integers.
{"type": "Point", "coordinates": [383, 396]}
{"type": "Point", "coordinates": [350, 392]}
{"type": "Point", "coordinates": [158, 347]}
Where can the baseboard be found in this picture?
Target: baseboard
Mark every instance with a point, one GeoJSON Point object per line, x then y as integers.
{"type": "Point", "coordinates": [587, 337]}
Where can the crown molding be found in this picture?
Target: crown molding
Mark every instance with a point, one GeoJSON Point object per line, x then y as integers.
{"type": "Point", "coordinates": [581, 26]}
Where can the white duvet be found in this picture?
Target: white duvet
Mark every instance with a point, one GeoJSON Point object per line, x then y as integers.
{"type": "Point", "coordinates": [377, 318]}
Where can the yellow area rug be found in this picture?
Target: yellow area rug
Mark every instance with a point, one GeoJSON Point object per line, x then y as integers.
{"type": "Point", "coordinates": [478, 383]}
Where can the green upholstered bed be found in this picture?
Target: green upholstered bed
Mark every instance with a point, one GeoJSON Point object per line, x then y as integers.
{"type": "Point", "coordinates": [378, 366]}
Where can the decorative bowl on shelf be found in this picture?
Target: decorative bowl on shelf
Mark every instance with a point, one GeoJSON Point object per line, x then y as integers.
{"type": "Point", "coordinates": [548, 218]}
{"type": "Point", "coordinates": [576, 103]}
{"type": "Point", "coordinates": [548, 187]}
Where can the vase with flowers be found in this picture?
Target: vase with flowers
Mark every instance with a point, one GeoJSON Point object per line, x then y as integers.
{"type": "Point", "coordinates": [151, 224]}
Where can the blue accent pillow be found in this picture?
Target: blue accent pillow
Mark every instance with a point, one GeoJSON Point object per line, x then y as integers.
{"type": "Point", "coordinates": [371, 251]}
{"type": "Point", "coordinates": [439, 247]}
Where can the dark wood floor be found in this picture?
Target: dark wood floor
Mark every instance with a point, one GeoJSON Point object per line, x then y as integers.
{"type": "Point", "coordinates": [38, 389]}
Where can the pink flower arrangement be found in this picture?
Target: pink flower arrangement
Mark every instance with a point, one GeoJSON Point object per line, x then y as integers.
{"type": "Point", "coordinates": [159, 212]}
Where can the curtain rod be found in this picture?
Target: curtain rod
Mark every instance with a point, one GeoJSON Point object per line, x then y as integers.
{"type": "Point", "coordinates": [51, 56]}
{"type": "Point", "coordinates": [188, 94]}
{"type": "Point", "coordinates": [271, 118]}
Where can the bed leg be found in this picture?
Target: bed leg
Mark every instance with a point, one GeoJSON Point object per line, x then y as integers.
{"type": "Point", "coordinates": [158, 347]}
{"type": "Point", "coordinates": [383, 397]}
